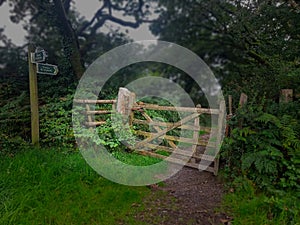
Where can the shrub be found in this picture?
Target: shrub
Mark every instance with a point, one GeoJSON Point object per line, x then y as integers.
{"type": "Point", "coordinates": [10, 145]}
{"type": "Point", "coordinates": [266, 149]}
{"type": "Point", "coordinates": [56, 123]}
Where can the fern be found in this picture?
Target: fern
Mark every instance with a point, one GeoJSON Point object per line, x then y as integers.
{"type": "Point", "coordinates": [268, 118]}
{"type": "Point", "coordinates": [266, 149]}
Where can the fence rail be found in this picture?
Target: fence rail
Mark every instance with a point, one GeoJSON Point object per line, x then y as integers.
{"type": "Point", "coordinates": [138, 114]}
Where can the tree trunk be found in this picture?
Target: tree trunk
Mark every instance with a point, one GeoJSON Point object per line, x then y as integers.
{"type": "Point", "coordinates": [71, 46]}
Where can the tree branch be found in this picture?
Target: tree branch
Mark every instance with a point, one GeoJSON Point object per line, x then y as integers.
{"type": "Point", "coordinates": [89, 23]}
{"type": "Point", "coordinates": [67, 5]}
{"type": "Point", "coordinates": [105, 13]}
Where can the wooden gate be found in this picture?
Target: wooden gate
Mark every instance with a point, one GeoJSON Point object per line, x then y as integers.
{"type": "Point", "coordinates": [179, 135]}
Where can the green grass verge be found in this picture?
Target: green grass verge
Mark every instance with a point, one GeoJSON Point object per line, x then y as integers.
{"type": "Point", "coordinates": [135, 159]}
{"type": "Point", "coordinates": [51, 187]}
{"type": "Point", "coordinates": [248, 206]}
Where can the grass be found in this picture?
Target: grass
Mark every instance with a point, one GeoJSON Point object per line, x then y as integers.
{"type": "Point", "coordinates": [248, 206]}
{"type": "Point", "coordinates": [135, 159]}
{"type": "Point", "coordinates": [55, 187]}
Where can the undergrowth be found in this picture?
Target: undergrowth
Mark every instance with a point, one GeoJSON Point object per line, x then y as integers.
{"type": "Point", "coordinates": [247, 204]}
{"type": "Point", "coordinates": [262, 160]}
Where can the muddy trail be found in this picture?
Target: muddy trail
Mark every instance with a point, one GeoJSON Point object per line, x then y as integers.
{"type": "Point", "coordinates": [189, 197]}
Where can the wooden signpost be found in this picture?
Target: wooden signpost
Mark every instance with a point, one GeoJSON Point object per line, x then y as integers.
{"type": "Point", "coordinates": [34, 59]}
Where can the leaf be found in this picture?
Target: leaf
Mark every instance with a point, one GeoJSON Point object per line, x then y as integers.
{"type": "Point", "coordinates": [268, 118]}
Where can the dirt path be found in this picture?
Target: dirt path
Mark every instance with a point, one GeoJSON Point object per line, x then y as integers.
{"type": "Point", "coordinates": [189, 197]}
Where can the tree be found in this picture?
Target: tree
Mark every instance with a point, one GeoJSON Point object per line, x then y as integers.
{"type": "Point", "coordinates": [251, 45]}
{"type": "Point", "coordinates": [76, 34]}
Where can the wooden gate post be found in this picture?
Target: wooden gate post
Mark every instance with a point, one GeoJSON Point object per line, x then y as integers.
{"type": "Point", "coordinates": [126, 100]}
{"type": "Point", "coordinates": [221, 125]}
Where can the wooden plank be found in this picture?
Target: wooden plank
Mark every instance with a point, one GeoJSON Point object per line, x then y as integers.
{"type": "Point", "coordinates": [157, 128]}
{"type": "Point", "coordinates": [166, 124]}
{"type": "Point", "coordinates": [91, 124]}
{"type": "Point", "coordinates": [86, 101]}
{"type": "Point", "coordinates": [174, 138]}
{"type": "Point", "coordinates": [98, 112]}
{"type": "Point", "coordinates": [172, 160]}
{"type": "Point", "coordinates": [181, 152]}
{"type": "Point", "coordinates": [164, 131]}
{"type": "Point", "coordinates": [196, 166]}
{"type": "Point", "coordinates": [172, 108]}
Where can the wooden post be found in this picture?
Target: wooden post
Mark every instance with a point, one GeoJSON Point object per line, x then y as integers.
{"type": "Point", "coordinates": [125, 102]}
{"type": "Point", "coordinates": [221, 124]}
{"type": "Point", "coordinates": [89, 117]}
{"type": "Point", "coordinates": [229, 116]}
{"type": "Point", "coordinates": [35, 134]}
{"type": "Point", "coordinates": [286, 95]}
{"type": "Point", "coordinates": [243, 101]}
{"type": "Point", "coordinates": [230, 104]}
{"type": "Point", "coordinates": [196, 135]}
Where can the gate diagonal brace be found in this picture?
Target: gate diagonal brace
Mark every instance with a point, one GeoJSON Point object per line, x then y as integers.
{"type": "Point", "coordinates": [157, 128]}
{"type": "Point", "coordinates": [164, 131]}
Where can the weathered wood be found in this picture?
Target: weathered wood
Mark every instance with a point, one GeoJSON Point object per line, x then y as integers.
{"type": "Point", "coordinates": [228, 117]}
{"type": "Point", "coordinates": [35, 127]}
{"type": "Point", "coordinates": [172, 160]}
{"type": "Point", "coordinates": [230, 104]}
{"type": "Point", "coordinates": [174, 138]}
{"type": "Point", "coordinates": [128, 107]}
{"type": "Point", "coordinates": [243, 99]}
{"type": "Point", "coordinates": [196, 134]}
{"type": "Point", "coordinates": [286, 95]}
{"type": "Point", "coordinates": [180, 152]}
{"type": "Point", "coordinates": [178, 109]}
{"type": "Point", "coordinates": [114, 106]}
{"type": "Point", "coordinates": [125, 102]}
{"type": "Point", "coordinates": [91, 124]}
{"type": "Point", "coordinates": [164, 131]}
{"type": "Point", "coordinates": [131, 118]}
{"type": "Point", "coordinates": [98, 112]}
{"type": "Point", "coordinates": [157, 128]}
{"type": "Point", "coordinates": [95, 101]}
{"type": "Point", "coordinates": [89, 117]}
{"type": "Point", "coordinates": [166, 124]}
{"type": "Point", "coordinates": [221, 124]}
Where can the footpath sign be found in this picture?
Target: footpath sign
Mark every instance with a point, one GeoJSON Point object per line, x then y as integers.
{"type": "Point", "coordinates": [39, 56]}
{"type": "Point", "coordinates": [35, 57]}
{"type": "Point", "coordinates": [46, 69]}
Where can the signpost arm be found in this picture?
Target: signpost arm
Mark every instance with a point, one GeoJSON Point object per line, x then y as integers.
{"type": "Point", "coordinates": [33, 98]}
